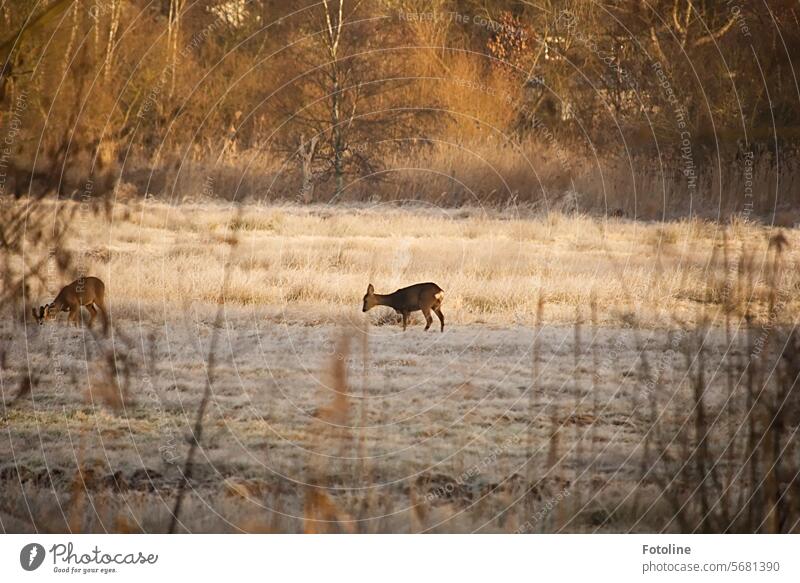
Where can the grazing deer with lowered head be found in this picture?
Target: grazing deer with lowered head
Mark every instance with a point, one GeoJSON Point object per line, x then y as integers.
{"type": "Point", "coordinates": [85, 291]}
{"type": "Point", "coordinates": [421, 296]}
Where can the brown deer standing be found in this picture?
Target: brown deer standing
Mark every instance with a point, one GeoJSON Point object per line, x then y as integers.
{"type": "Point", "coordinates": [85, 291]}
{"type": "Point", "coordinates": [421, 296]}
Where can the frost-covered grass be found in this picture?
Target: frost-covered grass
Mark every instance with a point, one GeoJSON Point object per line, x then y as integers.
{"type": "Point", "coordinates": [321, 418]}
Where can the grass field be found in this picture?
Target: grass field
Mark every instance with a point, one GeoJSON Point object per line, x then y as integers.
{"type": "Point", "coordinates": [589, 369]}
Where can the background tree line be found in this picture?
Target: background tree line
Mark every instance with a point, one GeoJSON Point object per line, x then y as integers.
{"type": "Point", "coordinates": [497, 101]}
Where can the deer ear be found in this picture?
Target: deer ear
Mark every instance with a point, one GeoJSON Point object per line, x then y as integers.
{"type": "Point", "coordinates": [370, 289]}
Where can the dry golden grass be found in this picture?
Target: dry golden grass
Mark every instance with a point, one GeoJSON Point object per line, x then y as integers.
{"type": "Point", "coordinates": [313, 263]}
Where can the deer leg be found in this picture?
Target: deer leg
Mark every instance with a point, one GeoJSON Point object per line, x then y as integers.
{"type": "Point", "coordinates": [440, 316]}
{"type": "Point", "coordinates": [405, 320]}
{"type": "Point", "coordinates": [101, 304]}
{"type": "Point", "coordinates": [428, 318]}
{"type": "Point", "coordinates": [74, 315]}
{"type": "Point", "coordinates": [93, 312]}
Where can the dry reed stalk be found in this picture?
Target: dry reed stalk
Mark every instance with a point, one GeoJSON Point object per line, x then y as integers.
{"type": "Point", "coordinates": [701, 455]}
{"type": "Point", "coordinates": [705, 467]}
{"type": "Point", "coordinates": [577, 351]}
{"type": "Point", "coordinates": [730, 365]}
{"type": "Point", "coordinates": [557, 469]}
{"type": "Point", "coordinates": [645, 373]}
{"type": "Point", "coordinates": [77, 500]}
{"type": "Point", "coordinates": [774, 414]}
{"type": "Point", "coordinates": [124, 525]}
{"type": "Point", "coordinates": [188, 466]}
{"type": "Point", "coordinates": [104, 385]}
{"type": "Point", "coordinates": [535, 383]}
{"type": "Point", "coordinates": [419, 509]}
{"type": "Point", "coordinates": [256, 525]}
{"type": "Point", "coordinates": [322, 515]}
{"type": "Point", "coordinates": [337, 412]}
{"type": "Point", "coordinates": [595, 390]}
{"type": "Point", "coordinates": [320, 510]}
{"type": "Point", "coordinates": [197, 431]}
{"type": "Point", "coordinates": [751, 453]}
{"type": "Point", "coordinates": [362, 469]}
{"type": "Point", "coordinates": [738, 404]}
{"type": "Point", "coordinates": [26, 384]}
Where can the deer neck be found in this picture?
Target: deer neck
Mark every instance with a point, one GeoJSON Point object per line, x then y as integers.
{"type": "Point", "coordinates": [384, 300]}
{"type": "Point", "coordinates": [59, 303]}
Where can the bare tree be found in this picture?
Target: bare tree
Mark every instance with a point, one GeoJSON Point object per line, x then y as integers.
{"type": "Point", "coordinates": [336, 71]}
